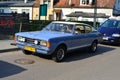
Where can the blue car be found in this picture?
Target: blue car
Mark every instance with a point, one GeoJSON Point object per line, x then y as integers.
{"type": "Point", "coordinates": [58, 38]}
{"type": "Point", "coordinates": [110, 30]}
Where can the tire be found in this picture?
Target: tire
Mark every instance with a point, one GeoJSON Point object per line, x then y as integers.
{"type": "Point", "coordinates": [27, 52]}
{"type": "Point", "coordinates": [93, 46]}
{"type": "Point", "coordinates": [59, 54]}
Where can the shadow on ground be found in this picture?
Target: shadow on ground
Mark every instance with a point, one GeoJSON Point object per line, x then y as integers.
{"type": "Point", "coordinates": [9, 50]}
{"type": "Point", "coordinates": [111, 44]}
{"type": "Point", "coordinates": [82, 53]}
{"type": "Point", "coordinates": [8, 69]}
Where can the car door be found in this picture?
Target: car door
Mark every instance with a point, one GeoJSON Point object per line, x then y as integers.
{"type": "Point", "coordinates": [88, 35]}
{"type": "Point", "coordinates": [79, 36]}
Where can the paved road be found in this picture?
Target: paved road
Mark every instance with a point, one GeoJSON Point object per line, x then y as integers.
{"type": "Point", "coordinates": [80, 65]}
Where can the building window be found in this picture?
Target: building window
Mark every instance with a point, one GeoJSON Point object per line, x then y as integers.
{"type": "Point", "coordinates": [13, 10]}
{"type": "Point", "coordinates": [25, 10]}
{"type": "Point", "coordinates": [85, 2]}
{"type": "Point", "coordinates": [1, 10]}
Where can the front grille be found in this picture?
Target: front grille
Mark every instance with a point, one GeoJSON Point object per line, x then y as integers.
{"type": "Point", "coordinates": [29, 40]}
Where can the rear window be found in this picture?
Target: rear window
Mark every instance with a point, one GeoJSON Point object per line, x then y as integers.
{"type": "Point", "coordinates": [111, 24]}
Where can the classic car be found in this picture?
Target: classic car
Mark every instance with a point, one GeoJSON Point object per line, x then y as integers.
{"type": "Point", "coordinates": [58, 38]}
{"type": "Point", "coordinates": [110, 30]}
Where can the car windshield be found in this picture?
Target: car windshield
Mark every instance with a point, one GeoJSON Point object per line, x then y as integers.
{"type": "Point", "coordinates": [60, 27]}
{"type": "Point", "coordinates": [111, 24]}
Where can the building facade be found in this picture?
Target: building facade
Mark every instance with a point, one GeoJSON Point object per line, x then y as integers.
{"type": "Point", "coordinates": [15, 6]}
{"type": "Point", "coordinates": [36, 10]}
{"type": "Point", "coordinates": [58, 9]}
{"type": "Point", "coordinates": [66, 7]}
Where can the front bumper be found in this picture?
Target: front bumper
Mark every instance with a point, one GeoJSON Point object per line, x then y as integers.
{"type": "Point", "coordinates": [115, 40]}
{"type": "Point", "coordinates": [38, 49]}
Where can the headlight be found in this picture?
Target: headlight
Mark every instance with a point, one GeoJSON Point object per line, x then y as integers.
{"type": "Point", "coordinates": [116, 35]}
{"type": "Point", "coordinates": [36, 42]}
{"type": "Point", "coordinates": [45, 43]}
{"type": "Point", "coordinates": [19, 38]}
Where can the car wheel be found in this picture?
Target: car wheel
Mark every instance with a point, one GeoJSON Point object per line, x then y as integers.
{"type": "Point", "coordinates": [93, 46]}
{"type": "Point", "coordinates": [27, 52]}
{"type": "Point", "coordinates": [59, 54]}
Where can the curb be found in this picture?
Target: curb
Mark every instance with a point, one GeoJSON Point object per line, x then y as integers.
{"type": "Point", "coordinates": [9, 50]}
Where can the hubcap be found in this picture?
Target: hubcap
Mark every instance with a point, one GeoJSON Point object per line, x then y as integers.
{"type": "Point", "coordinates": [60, 54]}
{"type": "Point", "coordinates": [94, 46]}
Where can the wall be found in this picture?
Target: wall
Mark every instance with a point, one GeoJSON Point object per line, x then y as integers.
{"type": "Point", "coordinates": [66, 11]}
{"type": "Point", "coordinates": [6, 9]}
{"type": "Point", "coordinates": [49, 10]}
{"type": "Point", "coordinates": [35, 13]}
{"type": "Point", "coordinates": [19, 10]}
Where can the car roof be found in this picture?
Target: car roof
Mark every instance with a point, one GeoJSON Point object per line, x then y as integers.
{"type": "Point", "coordinates": [66, 22]}
{"type": "Point", "coordinates": [117, 18]}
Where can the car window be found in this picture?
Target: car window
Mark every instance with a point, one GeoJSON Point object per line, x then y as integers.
{"type": "Point", "coordinates": [88, 29]}
{"type": "Point", "coordinates": [69, 28]}
{"type": "Point", "coordinates": [60, 27]}
{"type": "Point", "coordinates": [56, 27]}
{"type": "Point", "coordinates": [48, 26]}
{"type": "Point", "coordinates": [79, 29]}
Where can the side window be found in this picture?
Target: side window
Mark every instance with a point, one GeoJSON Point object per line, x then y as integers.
{"type": "Point", "coordinates": [79, 29]}
{"type": "Point", "coordinates": [84, 2]}
{"type": "Point", "coordinates": [69, 28]}
{"type": "Point", "coordinates": [88, 29]}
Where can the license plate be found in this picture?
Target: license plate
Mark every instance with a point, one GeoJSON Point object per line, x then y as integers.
{"type": "Point", "coordinates": [105, 38]}
{"type": "Point", "coordinates": [29, 48]}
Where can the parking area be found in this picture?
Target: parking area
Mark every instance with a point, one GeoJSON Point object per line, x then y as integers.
{"type": "Point", "coordinates": [79, 65]}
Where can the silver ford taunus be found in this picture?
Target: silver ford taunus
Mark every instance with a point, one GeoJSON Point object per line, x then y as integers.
{"type": "Point", "coordinates": [58, 38]}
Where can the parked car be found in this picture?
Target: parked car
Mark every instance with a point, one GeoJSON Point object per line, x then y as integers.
{"type": "Point", "coordinates": [58, 38]}
{"type": "Point", "coordinates": [110, 30]}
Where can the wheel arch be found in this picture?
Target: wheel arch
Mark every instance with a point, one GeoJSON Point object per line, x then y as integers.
{"type": "Point", "coordinates": [95, 41]}
{"type": "Point", "coordinates": [62, 44]}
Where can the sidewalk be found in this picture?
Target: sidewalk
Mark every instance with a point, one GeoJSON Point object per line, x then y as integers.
{"type": "Point", "coordinates": [6, 37]}
{"type": "Point", "coordinates": [6, 47]}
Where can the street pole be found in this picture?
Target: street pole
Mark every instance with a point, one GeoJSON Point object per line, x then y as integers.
{"type": "Point", "coordinates": [95, 13]}
{"type": "Point", "coordinates": [20, 29]}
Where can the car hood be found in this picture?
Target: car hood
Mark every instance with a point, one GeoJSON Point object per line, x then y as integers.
{"type": "Point", "coordinates": [43, 35]}
{"type": "Point", "coordinates": [109, 31]}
